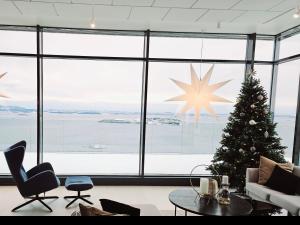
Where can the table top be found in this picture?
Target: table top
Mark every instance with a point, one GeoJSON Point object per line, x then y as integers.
{"type": "Point", "coordinates": [188, 200]}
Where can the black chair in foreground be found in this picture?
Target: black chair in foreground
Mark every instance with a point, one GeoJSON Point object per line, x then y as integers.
{"type": "Point", "coordinates": [36, 181]}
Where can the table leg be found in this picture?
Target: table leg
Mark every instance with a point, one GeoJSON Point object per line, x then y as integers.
{"type": "Point", "coordinates": [175, 211]}
{"type": "Point", "coordinates": [186, 213]}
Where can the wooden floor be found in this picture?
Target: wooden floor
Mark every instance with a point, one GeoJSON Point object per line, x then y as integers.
{"type": "Point", "coordinates": [154, 196]}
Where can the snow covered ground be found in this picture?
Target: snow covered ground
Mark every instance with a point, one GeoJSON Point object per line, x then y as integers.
{"type": "Point", "coordinates": [116, 164]}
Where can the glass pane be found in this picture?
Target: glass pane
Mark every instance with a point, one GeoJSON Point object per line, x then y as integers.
{"type": "Point", "coordinates": [191, 48]}
{"type": "Point", "coordinates": [286, 103]}
{"type": "Point", "coordinates": [93, 45]}
{"type": "Point", "coordinates": [290, 46]}
{"type": "Point", "coordinates": [18, 111]}
{"type": "Point", "coordinates": [264, 50]}
{"type": "Point", "coordinates": [264, 73]}
{"type": "Point", "coordinates": [175, 144]}
{"type": "Point", "coordinates": [92, 115]}
{"type": "Point", "coordinates": [17, 41]}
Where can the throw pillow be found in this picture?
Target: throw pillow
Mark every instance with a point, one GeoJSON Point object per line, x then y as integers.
{"type": "Point", "coordinates": [266, 169]}
{"type": "Point", "coordinates": [298, 189]}
{"type": "Point", "coordinates": [91, 211]}
{"type": "Point", "coordinates": [119, 208]}
{"type": "Point", "coordinates": [283, 181]}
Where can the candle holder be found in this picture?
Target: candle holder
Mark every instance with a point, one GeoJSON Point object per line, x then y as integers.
{"type": "Point", "coordinates": [224, 194]}
{"type": "Point", "coordinates": [211, 189]}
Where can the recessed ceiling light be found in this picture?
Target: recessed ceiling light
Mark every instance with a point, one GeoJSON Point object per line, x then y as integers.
{"type": "Point", "coordinates": [93, 23]}
{"type": "Point", "coordinates": [297, 13]}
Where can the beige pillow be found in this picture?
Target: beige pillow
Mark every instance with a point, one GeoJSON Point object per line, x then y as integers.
{"type": "Point", "coordinates": [267, 167]}
{"type": "Point", "coordinates": [91, 211]}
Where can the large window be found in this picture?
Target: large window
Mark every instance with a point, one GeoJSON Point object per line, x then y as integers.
{"type": "Point", "coordinates": [18, 41]}
{"type": "Point", "coordinates": [194, 48]}
{"type": "Point", "coordinates": [286, 103]}
{"type": "Point", "coordinates": [175, 144]}
{"type": "Point", "coordinates": [93, 45]}
{"type": "Point", "coordinates": [264, 73]}
{"type": "Point", "coordinates": [264, 50]}
{"type": "Point", "coordinates": [18, 110]}
{"type": "Point", "coordinates": [93, 95]}
{"type": "Point", "coordinates": [290, 46]}
{"type": "Point", "coordinates": [92, 113]}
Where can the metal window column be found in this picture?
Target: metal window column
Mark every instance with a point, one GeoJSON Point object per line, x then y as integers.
{"type": "Point", "coordinates": [143, 128]}
{"type": "Point", "coordinates": [274, 77]}
{"type": "Point", "coordinates": [250, 54]}
{"type": "Point", "coordinates": [39, 95]}
{"type": "Point", "coordinates": [296, 151]}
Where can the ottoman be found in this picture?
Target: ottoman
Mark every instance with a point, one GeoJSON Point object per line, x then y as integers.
{"type": "Point", "coordinates": [78, 184]}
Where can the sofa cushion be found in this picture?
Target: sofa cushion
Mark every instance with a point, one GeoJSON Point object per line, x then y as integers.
{"type": "Point", "coordinates": [283, 181]}
{"type": "Point", "coordinates": [261, 191]}
{"type": "Point", "coordinates": [297, 171]}
{"type": "Point", "coordinates": [267, 167]}
{"type": "Point", "coordinates": [290, 203]}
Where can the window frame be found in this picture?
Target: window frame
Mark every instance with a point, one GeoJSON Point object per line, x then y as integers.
{"type": "Point", "coordinates": [141, 179]}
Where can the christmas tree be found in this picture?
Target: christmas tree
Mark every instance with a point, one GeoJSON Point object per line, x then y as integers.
{"type": "Point", "coordinates": [249, 134]}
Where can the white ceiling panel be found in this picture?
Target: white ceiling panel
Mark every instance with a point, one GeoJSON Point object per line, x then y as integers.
{"type": "Point", "coordinates": [133, 2]}
{"type": "Point", "coordinates": [215, 4]}
{"type": "Point", "coordinates": [36, 8]}
{"type": "Point", "coordinates": [174, 3]}
{"type": "Point", "coordinates": [285, 5]}
{"type": "Point", "coordinates": [259, 5]}
{"type": "Point", "coordinates": [72, 10]}
{"type": "Point", "coordinates": [96, 2]}
{"type": "Point", "coordinates": [236, 16]}
{"type": "Point", "coordinates": [184, 15]}
{"type": "Point", "coordinates": [113, 12]}
{"type": "Point", "coordinates": [8, 9]}
{"type": "Point", "coordinates": [148, 13]}
{"type": "Point", "coordinates": [221, 16]}
{"type": "Point", "coordinates": [255, 17]}
{"type": "Point", "coordinates": [51, 1]}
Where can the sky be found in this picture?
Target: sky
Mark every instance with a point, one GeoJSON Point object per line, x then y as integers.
{"type": "Point", "coordinates": [95, 85]}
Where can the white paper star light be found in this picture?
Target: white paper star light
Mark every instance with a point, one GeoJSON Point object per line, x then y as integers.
{"type": "Point", "coordinates": [2, 95]}
{"type": "Point", "coordinates": [199, 94]}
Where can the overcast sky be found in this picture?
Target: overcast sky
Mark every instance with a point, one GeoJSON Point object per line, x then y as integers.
{"type": "Point", "coordinates": [97, 84]}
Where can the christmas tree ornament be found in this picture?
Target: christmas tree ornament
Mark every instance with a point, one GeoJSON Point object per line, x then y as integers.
{"type": "Point", "coordinates": [253, 149]}
{"type": "Point", "coordinates": [266, 112]}
{"type": "Point", "coordinates": [1, 94]}
{"type": "Point", "coordinates": [241, 150]}
{"type": "Point", "coordinates": [242, 114]}
{"type": "Point", "coordinates": [267, 134]}
{"type": "Point", "coordinates": [260, 97]}
{"type": "Point", "coordinates": [199, 94]}
{"type": "Point", "coordinates": [252, 122]}
{"type": "Point", "coordinates": [253, 106]}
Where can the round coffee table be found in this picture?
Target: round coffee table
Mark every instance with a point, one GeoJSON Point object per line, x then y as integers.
{"type": "Point", "coordinates": [189, 201]}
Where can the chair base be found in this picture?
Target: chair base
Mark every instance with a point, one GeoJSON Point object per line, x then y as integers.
{"type": "Point", "coordinates": [36, 198]}
{"type": "Point", "coordinates": [78, 197]}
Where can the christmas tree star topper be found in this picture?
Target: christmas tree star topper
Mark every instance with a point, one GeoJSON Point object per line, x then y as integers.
{"type": "Point", "coordinates": [199, 94]}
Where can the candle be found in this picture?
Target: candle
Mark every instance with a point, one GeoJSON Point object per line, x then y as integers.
{"type": "Point", "coordinates": [225, 180]}
{"type": "Point", "coordinates": [204, 186]}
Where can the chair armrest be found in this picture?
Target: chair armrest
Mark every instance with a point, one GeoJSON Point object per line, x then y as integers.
{"type": "Point", "coordinates": [42, 182]}
{"type": "Point", "coordinates": [39, 169]}
{"type": "Point", "coordinates": [252, 175]}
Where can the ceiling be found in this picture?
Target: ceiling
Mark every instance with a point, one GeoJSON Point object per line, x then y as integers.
{"type": "Point", "coordinates": [221, 16]}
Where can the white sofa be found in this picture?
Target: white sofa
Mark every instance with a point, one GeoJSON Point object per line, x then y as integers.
{"type": "Point", "coordinates": [265, 194]}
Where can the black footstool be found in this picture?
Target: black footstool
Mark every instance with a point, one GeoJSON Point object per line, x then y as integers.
{"type": "Point", "coordinates": [79, 184]}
